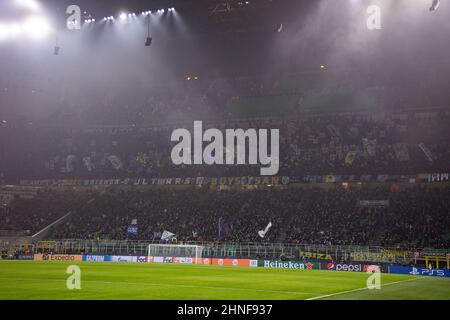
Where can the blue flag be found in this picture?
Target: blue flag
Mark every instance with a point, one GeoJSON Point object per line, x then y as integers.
{"type": "Point", "coordinates": [222, 228]}
{"type": "Point", "coordinates": [132, 230]}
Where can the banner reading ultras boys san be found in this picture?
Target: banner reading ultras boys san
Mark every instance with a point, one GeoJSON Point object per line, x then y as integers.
{"type": "Point", "coordinates": [229, 181]}
{"type": "Point", "coordinates": [247, 180]}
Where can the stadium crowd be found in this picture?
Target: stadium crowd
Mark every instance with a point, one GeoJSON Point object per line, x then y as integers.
{"type": "Point", "coordinates": [33, 214]}
{"type": "Point", "coordinates": [413, 217]}
{"type": "Point", "coordinates": [130, 138]}
{"type": "Point", "coordinates": [408, 143]}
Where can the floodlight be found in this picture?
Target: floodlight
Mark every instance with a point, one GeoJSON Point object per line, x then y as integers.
{"type": "Point", "coordinates": [29, 4]}
{"type": "Point", "coordinates": [36, 27]}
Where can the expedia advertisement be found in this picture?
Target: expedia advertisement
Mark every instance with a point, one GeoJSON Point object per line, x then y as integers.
{"type": "Point", "coordinates": [279, 264]}
{"type": "Point", "coordinates": [58, 257]}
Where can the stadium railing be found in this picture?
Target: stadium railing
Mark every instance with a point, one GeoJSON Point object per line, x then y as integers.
{"type": "Point", "coordinates": [253, 250]}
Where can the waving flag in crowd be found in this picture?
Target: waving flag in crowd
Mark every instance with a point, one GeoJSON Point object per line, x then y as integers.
{"type": "Point", "coordinates": [132, 229]}
{"type": "Point", "coordinates": [262, 233]}
{"type": "Point", "coordinates": [167, 235]}
{"type": "Point", "coordinates": [222, 228]}
{"type": "Point", "coordinates": [115, 161]}
{"type": "Point", "coordinates": [435, 5]}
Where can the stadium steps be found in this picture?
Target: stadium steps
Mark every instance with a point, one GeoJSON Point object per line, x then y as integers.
{"type": "Point", "coordinates": [48, 229]}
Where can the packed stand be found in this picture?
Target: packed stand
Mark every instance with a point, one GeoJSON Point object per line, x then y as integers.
{"type": "Point", "coordinates": [409, 143]}
{"type": "Point", "coordinates": [418, 217]}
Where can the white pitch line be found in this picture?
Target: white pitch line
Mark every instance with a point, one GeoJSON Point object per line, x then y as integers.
{"type": "Point", "coordinates": [169, 285]}
{"type": "Point", "coordinates": [359, 289]}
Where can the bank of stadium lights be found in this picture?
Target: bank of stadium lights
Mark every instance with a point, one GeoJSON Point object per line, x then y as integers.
{"type": "Point", "coordinates": [123, 16]}
{"type": "Point", "coordinates": [146, 13]}
{"type": "Point", "coordinates": [126, 16]}
{"type": "Point", "coordinates": [34, 27]}
{"type": "Point", "coordinates": [29, 4]}
{"type": "Point", "coordinates": [10, 31]}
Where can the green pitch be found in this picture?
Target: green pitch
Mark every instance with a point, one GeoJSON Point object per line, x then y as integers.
{"type": "Point", "coordinates": [102, 280]}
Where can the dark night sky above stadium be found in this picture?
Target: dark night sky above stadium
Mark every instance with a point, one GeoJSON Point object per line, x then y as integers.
{"type": "Point", "coordinates": [197, 40]}
{"type": "Point", "coordinates": [314, 33]}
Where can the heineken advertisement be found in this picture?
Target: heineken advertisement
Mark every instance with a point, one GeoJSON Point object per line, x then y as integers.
{"type": "Point", "coordinates": [279, 264]}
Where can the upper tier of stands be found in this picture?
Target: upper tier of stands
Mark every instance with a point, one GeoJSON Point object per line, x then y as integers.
{"type": "Point", "coordinates": [346, 143]}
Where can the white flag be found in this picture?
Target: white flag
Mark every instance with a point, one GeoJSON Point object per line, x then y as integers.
{"type": "Point", "coordinates": [167, 235]}
{"type": "Point", "coordinates": [435, 5]}
{"type": "Point", "coordinates": [115, 161]}
{"type": "Point", "coordinates": [262, 233]}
